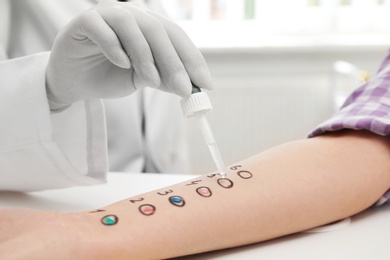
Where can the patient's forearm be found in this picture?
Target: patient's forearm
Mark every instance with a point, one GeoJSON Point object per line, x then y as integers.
{"type": "Point", "coordinates": [288, 189]}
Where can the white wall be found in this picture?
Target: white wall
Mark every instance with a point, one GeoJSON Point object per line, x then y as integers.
{"type": "Point", "coordinates": [267, 96]}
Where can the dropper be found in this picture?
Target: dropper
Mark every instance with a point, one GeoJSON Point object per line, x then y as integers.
{"type": "Point", "coordinates": [197, 105]}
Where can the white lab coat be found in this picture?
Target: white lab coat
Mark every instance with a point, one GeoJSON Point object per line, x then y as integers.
{"type": "Point", "coordinates": [40, 150]}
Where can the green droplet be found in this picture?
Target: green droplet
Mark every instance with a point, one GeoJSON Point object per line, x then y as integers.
{"type": "Point", "coordinates": [110, 220]}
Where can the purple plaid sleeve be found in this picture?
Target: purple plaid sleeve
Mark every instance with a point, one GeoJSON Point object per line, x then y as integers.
{"type": "Point", "coordinates": [368, 108]}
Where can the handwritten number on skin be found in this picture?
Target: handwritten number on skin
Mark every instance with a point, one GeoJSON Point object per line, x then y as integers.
{"type": "Point", "coordinates": [136, 200]}
{"type": "Point", "coordinates": [98, 210]}
{"type": "Point", "coordinates": [165, 192]}
{"type": "Point", "coordinates": [235, 167]}
{"type": "Point", "coordinates": [193, 182]}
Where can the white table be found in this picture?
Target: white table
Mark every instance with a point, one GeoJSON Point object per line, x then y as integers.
{"type": "Point", "coordinates": [366, 237]}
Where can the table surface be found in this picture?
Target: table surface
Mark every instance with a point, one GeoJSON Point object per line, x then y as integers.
{"type": "Point", "coordinates": [364, 237]}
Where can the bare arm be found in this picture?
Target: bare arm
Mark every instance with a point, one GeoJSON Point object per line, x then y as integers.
{"type": "Point", "coordinates": [287, 189]}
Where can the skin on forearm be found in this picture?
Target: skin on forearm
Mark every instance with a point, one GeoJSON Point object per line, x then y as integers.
{"type": "Point", "coordinates": [287, 189]}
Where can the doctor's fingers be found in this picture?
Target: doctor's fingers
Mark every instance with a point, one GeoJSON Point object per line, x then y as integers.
{"type": "Point", "coordinates": [189, 54]}
{"type": "Point", "coordinates": [170, 67]}
{"type": "Point", "coordinates": [90, 25]}
{"type": "Point", "coordinates": [125, 26]}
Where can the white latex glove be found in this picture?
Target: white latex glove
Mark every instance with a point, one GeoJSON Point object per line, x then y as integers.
{"type": "Point", "coordinates": [116, 48]}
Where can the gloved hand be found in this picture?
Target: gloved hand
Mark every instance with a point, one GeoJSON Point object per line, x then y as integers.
{"type": "Point", "coordinates": [116, 48]}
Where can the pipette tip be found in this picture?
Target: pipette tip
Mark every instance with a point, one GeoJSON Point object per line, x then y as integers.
{"type": "Point", "coordinates": [223, 174]}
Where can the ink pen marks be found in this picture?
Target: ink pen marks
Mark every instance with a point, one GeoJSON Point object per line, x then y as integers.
{"type": "Point", "coordinates": [204, 191]}
{"type": "Point", "coordinates": [235, 167]}
{"type": "Point", "coordinates": [147, 209]}
{"type": "Point", "coordinates": [193, 182]}
{"type": "Point", "coordinates": [177, 201]}
{"type": "Point", "coordinates": [110, 220]}
{"type": "Point", "coordinates": [165, 192]}
{"type": "Point", "coordinates": [245, 174]}
{"type": "Point", "coordinates": [98, 210]}
{"type": "Point", "coordinates": [225, 183]}
{"type": "Point", "coordinates": [136, 200]}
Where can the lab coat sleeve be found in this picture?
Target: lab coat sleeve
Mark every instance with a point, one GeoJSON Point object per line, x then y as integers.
{"type": "Point", "coordinates": [42, 150]}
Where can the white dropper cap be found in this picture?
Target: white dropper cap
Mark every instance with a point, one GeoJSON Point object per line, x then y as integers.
{"type": "Point", "coordinates": [197, 102]}
{"type": "Point", "coordinates": [197, 105]}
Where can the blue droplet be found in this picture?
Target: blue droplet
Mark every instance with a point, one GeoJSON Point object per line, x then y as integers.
{"type": "Point", "coordinates": [176, 199]}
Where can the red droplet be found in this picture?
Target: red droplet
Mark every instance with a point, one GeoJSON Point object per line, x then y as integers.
{"type": "Point", "coordinates": [147, 209]}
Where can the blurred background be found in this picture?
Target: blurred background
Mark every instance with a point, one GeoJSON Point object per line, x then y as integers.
{"type": "Point", "coordinates": [280, 66]}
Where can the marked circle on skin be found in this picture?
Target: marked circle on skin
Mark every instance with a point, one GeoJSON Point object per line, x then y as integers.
{"type": "Point", "coordinates": [147, 209]}
{"type": "Point", "coordinates": [177, 201]}
{"type": "Point", "coordinates": [330, 227]}
{"type": "Point", "coordinates": [204, 191]}
{"type": "Point", "coordinates": [245, 174]}
{"type": "Point", "coordinates": [225, 183]}
{"type": "Point", "coordinates": [110, 220]}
